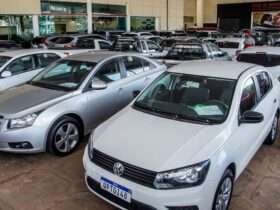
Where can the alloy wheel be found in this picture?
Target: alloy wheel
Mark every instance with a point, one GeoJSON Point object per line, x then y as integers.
{"type": "Point", "coordinates": [224, 194]}
{"type": "Point", "coordinates": [66, 137]}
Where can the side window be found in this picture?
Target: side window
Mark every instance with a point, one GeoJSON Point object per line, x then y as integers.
{"type": "Point", "coordinates": [265, 83]}
{"type": "Point", "coordinates": [85, 43]}
{"type": "Point", "coordinates": [148, 65]}
{"type": "Point", "coordinates": [249, 96]}
{"type": "Point", "coordinates": [21, 65]}
{"type": "Point", "coordinates": [109, 72]}
{"type": "Point", "coordinates": [104, 45]}
{"type": "Point", "coordinates": [133, 65]}
{"type": "Point", "coordinates": [153, 46]}
{"type": "Point", "coordinates": [144, 45]}
{"type": "Point", "coordinates": [45, 59]}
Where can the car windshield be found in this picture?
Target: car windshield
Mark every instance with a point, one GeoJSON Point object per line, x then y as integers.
{"type": "Point", "coordinates": [198, 99]}
{"type": "Point", "coordinates": [4, 59]}
{"type": "Point", "coordinates": [230, 45]}
{"type": "Point", "coordinates": [65, 75]}
{"type": "Point", "coordinates": [262, 59]}
{"type": "Point", "coordinates": [187, 52]}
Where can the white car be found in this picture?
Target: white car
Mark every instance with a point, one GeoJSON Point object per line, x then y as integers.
{"type": "Point", "coordinates": [232, 46]}
{"type": "Point", "coordinates": [185, 139]}
{"type": "Point", "coordinates": [19, 66]}
{"type": "Point", "coordinates": [268, 57]}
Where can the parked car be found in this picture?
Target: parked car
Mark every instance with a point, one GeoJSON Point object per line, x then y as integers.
{"type": "Point", "coordinates": [138, 45]}
{"type": "Point", "coordinates": [232, 46]}
{"type": "Point", "coordinates": [110, 35]}
{"type": "Point", "coordinates": [268, 57]}
{"type": "Point", "coordinates": [19, 66]}
{"type": "Point", "coordinates": [60, 105]}
{"type": "Point", "coordinates": [187, 51]}
{"type": "Point", "coordinates": [186, 139]}
{"type": "Point", "coordinates": [6, 45]}
{"type": "Point", "coordinates": [136, 34]}
{"type": "Point", "coordinates": [73, 41]}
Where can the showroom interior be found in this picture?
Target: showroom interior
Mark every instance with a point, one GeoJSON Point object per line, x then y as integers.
{"type": "Point", "coordinates": [139, 104]}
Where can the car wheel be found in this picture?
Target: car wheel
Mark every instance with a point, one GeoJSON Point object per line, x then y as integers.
{"type": "Point", "coordinates": [224, 192]}
{"type": "Point", "coordinates": [64, 136]}
{"type": "Point", "coordinates": [272, 136]}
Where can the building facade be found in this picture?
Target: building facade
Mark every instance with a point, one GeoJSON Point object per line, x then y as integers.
{"type": "Point", "coordinates": [28, 18]}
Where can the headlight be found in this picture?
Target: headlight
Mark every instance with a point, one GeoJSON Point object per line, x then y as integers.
{"type": "Point", "coordinates": [90, 146]}
{"type": "Point", "coordinates": [184, 177]}
{"type": "Point", "coordinates": [22, 122]}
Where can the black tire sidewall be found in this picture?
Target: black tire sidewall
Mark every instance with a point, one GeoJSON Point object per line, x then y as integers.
{"type": "Point", "coordinates": [50, 140]}
{"type": "Point", "coordinates": [228, 173]}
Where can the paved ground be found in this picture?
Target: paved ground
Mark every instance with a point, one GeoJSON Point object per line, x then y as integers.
{"type": "Point", "coordinates": [44, 182]}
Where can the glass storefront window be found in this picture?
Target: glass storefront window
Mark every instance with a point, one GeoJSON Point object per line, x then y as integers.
{"type": "Point", "coordinates": [108, 9]}
{"type": "Point", "coordinates": [63, 7]}
{"type": "Point", "coordinates": [62, 24]}
{"type": "Point", "coordinates": [16, 27]}
{"type": "Point", "coordinates": [109, 23]}
{"type": "Point", "coordinates": [143, 23]}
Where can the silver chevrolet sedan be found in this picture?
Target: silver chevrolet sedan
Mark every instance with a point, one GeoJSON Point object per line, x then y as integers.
{"type": "Point", "coordinates": [70, 98]}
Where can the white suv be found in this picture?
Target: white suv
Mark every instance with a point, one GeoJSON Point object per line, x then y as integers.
{"type": "Point", "coordinates": [185, 139]}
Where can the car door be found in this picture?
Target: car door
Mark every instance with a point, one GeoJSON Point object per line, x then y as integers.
{"type": "Point", "coordinates": [101, 104]}
{"type": "Point", "coordinates": [248, 137]}
{"type": "Point", "coordinates": [21, 70]}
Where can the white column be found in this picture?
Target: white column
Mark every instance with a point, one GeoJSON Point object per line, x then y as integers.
{"type": "Point", "coordinates": [35, 22]}
{"type": "Point", "coordinates": [128, 24]}
{"type": "Point", "coordinates": [89, 16]}
{"type": "Point", "coordinates": [199, 13]}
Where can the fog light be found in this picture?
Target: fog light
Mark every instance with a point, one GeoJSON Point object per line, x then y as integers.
{"type": "Point", "coordinates": [21, 145]}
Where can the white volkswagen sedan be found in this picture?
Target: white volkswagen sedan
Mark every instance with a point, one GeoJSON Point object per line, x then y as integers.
{"type": "Point", "coordinates": [185, 139]}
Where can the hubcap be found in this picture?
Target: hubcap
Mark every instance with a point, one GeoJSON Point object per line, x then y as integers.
{"type": "Point", "coordinates": [223, 197]}
{"type": "Point", "coordinates": [66, 137]}
{"type": "Point", "coordinates": [274, 128]}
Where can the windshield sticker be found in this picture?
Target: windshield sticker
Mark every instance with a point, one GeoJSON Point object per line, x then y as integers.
{"type": "Point", "coordinates": [207, 110]}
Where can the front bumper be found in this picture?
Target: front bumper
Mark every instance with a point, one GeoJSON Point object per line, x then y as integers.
{"type": "Point", "coordinates": [34, 135]}
{"type": "Point", "coordinates": [196, 198]}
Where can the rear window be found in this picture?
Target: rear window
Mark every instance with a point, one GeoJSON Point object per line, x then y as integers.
{"type": "Point", "coordinates": [233, 45]}
{"type": "Point", "coordinates": [62, 40]}
{"type": "Point", "coordinates": [187, 52]}
{"type": "Point", "coordinates": [260, 59]}
{"type": "Point", "coordinates": [3, 60]}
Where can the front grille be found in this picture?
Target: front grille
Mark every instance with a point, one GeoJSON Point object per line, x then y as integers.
{"type": "Point", "coordinates": [132, 173]}
{"type": "Point", "coordinates": [134, 205]}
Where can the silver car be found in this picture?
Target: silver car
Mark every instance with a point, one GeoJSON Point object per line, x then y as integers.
{"type": "Point", "coordinates": [71, 97]}
{"type": "Point", "coordinates": [19, 66]}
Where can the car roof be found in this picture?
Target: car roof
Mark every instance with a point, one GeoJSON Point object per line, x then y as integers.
{"type": "Point", "coordinates": [268, 50]}
{"type": "Point", "coordinates": [231, 39]}
{"type": "Point", "coordinates": [96, 57]}
{"type": "Point", "coordinates": [20, 52]}
{"type": "Point", "coordinates": [219, 69]}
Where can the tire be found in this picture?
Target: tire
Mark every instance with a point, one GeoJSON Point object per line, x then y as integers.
{"type": "Point", "coordinates": [64, 136]}
{"type": "Point", "coordinates": [222, 194]}
{"type": "Point", "coordinates": [273, 134]}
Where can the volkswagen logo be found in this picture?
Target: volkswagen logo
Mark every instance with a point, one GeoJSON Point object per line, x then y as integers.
{"type": "Point", "coordinates": [118, 169]}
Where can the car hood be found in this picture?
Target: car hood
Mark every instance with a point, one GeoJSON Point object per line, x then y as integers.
{"type": "Point", "coordinates": [156, 143]}
{"type": "Point", "coordinates": [21, 98]}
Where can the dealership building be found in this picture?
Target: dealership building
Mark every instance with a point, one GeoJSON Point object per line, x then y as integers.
{"type": "Point", "coordinates": [40, 17]}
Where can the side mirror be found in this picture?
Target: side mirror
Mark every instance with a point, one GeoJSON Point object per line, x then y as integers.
{"type": "Point", "coordinates": [136, 93]}
{"type": "Point", "coordinates": [98, 85]}
{"type": "Point", "coordinates": [6, 74]}
{"type": "Point", "coordinates": [251, 117]}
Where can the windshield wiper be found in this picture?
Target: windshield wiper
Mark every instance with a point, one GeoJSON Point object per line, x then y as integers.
{"type": "Point", "coordinates": [155, 110]}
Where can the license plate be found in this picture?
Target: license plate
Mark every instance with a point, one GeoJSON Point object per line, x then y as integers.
{"type": "Point", "coordinates": [116, 189]}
